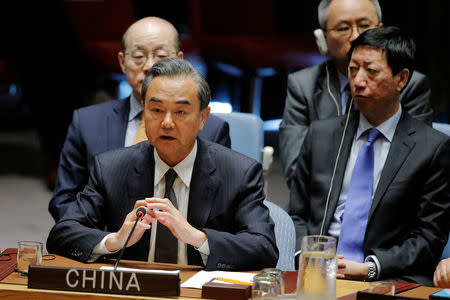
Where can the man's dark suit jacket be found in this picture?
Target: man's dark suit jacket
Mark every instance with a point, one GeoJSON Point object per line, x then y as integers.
{"type": "Point", "coordinates": [308, 99]}
{"type": "Point", "coordinates": [225, 201]}
{"type": "Point", "coordinates": [99, 128]}
{"type": "Point", "coordinates": [409, 217]}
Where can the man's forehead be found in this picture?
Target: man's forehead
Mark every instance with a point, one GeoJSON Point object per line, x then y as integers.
{"type": "Point", "coordinates": [150, 34]}
{"type": "Point", "coordinates": [368, 54]}
{"type": "Point", "coordinates": [345, 10]}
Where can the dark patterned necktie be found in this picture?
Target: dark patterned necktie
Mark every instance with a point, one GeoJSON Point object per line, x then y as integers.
{"type": "Point", "coordinates": [166, 247]}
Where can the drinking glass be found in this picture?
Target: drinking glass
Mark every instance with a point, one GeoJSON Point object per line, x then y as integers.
{"type": "Point", "coordinates": [317, 268]}
{"type": "Point", "coordinates": [279, 276]}
{"type": "Point", "coordinates": [264, 286]}
{"type": "Point", "coordinates": [28, 253]}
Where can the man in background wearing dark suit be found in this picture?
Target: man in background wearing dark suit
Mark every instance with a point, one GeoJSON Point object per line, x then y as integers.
{"type": "Point", "coordinates": [381, 184]}
{"type": "Point", "coordinates": [213, 197]}
{"type": "Point", "coordinates": [115, 124]}
{"type": "Point", "coordinates": [322, 92]}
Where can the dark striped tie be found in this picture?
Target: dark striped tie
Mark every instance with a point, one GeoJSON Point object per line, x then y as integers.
{"type": "Point", "coordinates": [166, 248]}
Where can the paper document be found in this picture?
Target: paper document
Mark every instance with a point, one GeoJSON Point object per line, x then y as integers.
{"type": "Point", "coordinates": [202, 277]}
{"type": "Point", "coordinates": [108, 268]}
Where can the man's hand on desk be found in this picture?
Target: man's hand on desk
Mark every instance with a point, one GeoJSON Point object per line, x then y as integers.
{"type": "Point", "coordinates": [171, 217]}
{"type": "Point", "coordinates": [116, 240]}
{"type": "Point", "coordinates": [348, 269]}
{"type": "Point", "coordinates": [441, 276]}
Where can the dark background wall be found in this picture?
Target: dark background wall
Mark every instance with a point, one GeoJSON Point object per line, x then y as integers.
{"type": "Point", "coordinates": [55, 75]}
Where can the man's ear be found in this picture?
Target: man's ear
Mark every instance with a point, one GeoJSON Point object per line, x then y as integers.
{"type": "Point", "coordinates": [180, 54]}
{"type": "Point", "coordinates": [204, 114]}
{"type": "Point", "coordinates": [403, 77]}
{"type": "Point", "coordinates": [121, 58]}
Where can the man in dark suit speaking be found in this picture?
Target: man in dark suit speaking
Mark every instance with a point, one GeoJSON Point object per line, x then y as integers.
{"type": "Point", "coordinates": [380, 183]}
{"type": "Point", "coordinates": [204, 201]}
{"type": "Point", "coordinates": [98, 128]}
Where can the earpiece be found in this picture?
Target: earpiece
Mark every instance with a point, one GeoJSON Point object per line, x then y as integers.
{"type": "Point", "coordinates": [321, 42]}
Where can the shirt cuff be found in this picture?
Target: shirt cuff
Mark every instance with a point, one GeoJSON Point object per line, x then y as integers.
{"type": "Point", "coordinates": [374, 259]}
{"type": "Point", "coordinates": [204, 251]}
{"type": "Point", "coordinates": [100, 249]}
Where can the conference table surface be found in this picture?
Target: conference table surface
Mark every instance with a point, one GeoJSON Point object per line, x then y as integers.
{"type": "Point", "coordinates": [14, 286]}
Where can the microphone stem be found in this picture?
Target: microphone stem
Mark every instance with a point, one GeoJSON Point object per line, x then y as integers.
{"type": "Point", "coordinates": [125, 246]}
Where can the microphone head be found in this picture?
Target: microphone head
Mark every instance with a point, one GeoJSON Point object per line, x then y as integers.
{"type": "Point", "coordinates": [141, 211]}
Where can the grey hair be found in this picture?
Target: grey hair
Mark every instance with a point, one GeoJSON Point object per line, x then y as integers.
{"type": "Point", "coordinates": [179, 68]}
{"type": "Point", "coordinates": [322, 11]}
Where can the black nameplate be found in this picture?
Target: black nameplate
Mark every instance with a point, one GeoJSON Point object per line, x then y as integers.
{"type": "Point", "coordinates": [103, 281]}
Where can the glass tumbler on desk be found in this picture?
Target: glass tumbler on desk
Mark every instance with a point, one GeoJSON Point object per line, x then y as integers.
{"type": "Point", "coordinates": [279, 276]}
{"type": "Point", "coordinates": [264, 286]}
{"type": "Point", "coordinates": [317, 268]}
{"type": "Point", "coordinates": [28, 253]}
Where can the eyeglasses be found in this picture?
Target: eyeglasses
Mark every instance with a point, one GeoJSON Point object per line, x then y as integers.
{"type": "Point", "coordinates": [346, 31]}
{"type": "Point", "coordinates": [140, 58]}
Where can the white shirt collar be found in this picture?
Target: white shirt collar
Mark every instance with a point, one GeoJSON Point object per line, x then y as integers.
{"type": "Point", "coordinates": [387, 128]}
{"type": "Point", "coordinates": [184, 168]}
{"type": "Point", "coordinates": [135, 108]}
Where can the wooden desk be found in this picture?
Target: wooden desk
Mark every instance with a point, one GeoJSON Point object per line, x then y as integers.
{"type": "Point", "coordinates": [15, 286]}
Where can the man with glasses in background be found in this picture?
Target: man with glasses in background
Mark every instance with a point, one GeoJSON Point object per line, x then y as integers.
{"type": "Point", "coordinates": [322, 91]}
{"type": "Point", "coordinates": [115, 124]}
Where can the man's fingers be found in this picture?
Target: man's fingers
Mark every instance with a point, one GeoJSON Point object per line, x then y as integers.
{"type": "Point", "coordinates": [139, 203]}
{"type": "Point", "coordinates": [143, 226]}
{"type": "Point", "coordinates": [148, 219]}
{"type": "Point", "coordinates": [443, 274]}
{"type": "Point", "coordinates": [341, 265]}
{"type": "Point", "coordinates": [160, 206]}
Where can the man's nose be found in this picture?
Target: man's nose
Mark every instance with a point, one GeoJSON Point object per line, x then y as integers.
{"type": "Point", "coordinates": [354, 34]}
{"type": "Point", "coordinates": [148, 63]}
{"type": "Point", "coordinates": [360, 80]}
{"type": "Point", "coordinates": [168, 121]}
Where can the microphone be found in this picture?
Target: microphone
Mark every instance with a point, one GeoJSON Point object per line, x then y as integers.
{"type": "Point", "coordinates": [140, 213]}
{"type": "Point", "coordinates": [335, 166]}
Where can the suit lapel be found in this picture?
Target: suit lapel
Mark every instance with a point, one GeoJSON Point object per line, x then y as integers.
{"type": "Point", "coordinates": [141, 182]}
{"type": "Point", "coordinates": [342, 163]}
{"type": "Point", "coordinates": [325, 105]}
{"type": "Point", "coordinates": [203, 186]}
{"type": "Point", "coordinates": [402, 144]}
{"type": "Point", "coordinates": [116, 125]}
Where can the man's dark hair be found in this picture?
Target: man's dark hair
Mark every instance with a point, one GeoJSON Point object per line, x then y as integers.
{"type": "Point", "coordinates": [179, 68]}
{"type": "Point", "coordinates": [398, 47]}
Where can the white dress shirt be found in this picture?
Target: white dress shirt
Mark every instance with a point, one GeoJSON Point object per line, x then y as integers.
{"type": "Point", "coordinates": [181, 187]}
{"type": "Point", "coordinates": [134, 119]}
{"type": "Point", "coordinates": [381, 149]}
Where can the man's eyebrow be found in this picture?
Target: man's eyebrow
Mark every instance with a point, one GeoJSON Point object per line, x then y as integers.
{"type": "Point", "coordinates": [342, 21]}
{"type": "Point", "coordinates": [154, 99]}
{"type": "Point", "coordinates": [182, 101]}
